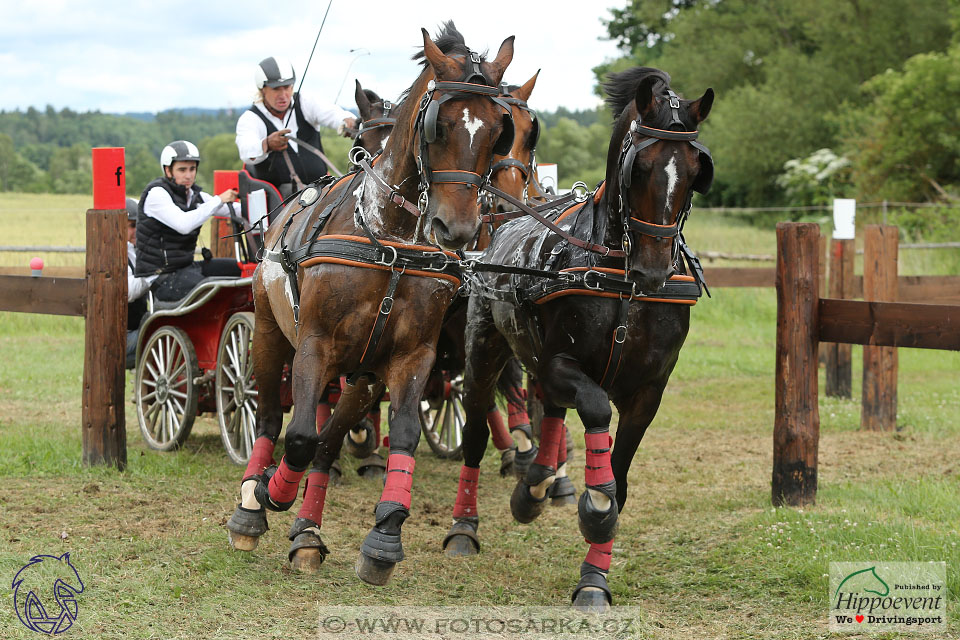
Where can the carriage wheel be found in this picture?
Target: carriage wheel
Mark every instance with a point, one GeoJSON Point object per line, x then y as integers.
{"type": "Point", "coordinates": [442, 420]}
{"type": "Point", "coordinates": [236, 389]}
{"type": "Point", "coordinates": [166, 396]}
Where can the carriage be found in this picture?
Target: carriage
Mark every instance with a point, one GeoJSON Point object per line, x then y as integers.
{"type": "Point", "coordinates": [193, 355]}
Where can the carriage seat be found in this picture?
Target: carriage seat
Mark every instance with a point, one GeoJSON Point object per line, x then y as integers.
{"type": "Point", "coordinates": [247, 185]}
{"type": "Point", "coordinates": [166, 305]}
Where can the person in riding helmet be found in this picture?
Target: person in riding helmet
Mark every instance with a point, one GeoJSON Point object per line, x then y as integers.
{"type": "Point", "coordinates": [266, 130]}
{"type": "Point", "coordinates": [170, 213]}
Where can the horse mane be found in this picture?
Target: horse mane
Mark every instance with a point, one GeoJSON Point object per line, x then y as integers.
{"type": "Point", "coordinates": [449, 40]}
{"type": "Point", "coordinates": [621, 88]}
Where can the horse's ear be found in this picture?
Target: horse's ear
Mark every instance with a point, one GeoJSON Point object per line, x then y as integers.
{"type": "Point", "coordinates": [700, 108]}
{"type": "Point", "coordinates": [523, 93]}
{"type": "Point", "coordinates": [362, 103]}
{"type": "Point", "coordinates": [646, 99]}
{"type": "Point", "coordinates": [498, 66]}
{"type": "Point", "coordinates": [444, 67]}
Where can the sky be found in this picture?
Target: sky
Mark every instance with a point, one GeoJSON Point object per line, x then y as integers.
{"type": "Point", "coordinates": [149, 56]}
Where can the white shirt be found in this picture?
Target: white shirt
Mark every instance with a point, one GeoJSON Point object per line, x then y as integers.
{"type": "Point", "coordinates": [136, 287]}
{"type": "Point", "coordinates": [251, 130]}
{"type": "Point", "coordinates": [160, 205]}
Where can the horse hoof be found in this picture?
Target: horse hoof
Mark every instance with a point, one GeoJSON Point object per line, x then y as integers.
{"type": "Point", "coordinates": [522, 461]}
{"type": "Point", "coordinates": [462, 538]}
{"type": "Point", "coordinates": [507, 460]}
{"type": "Point", "coordinates": [596, 525]}
{"type": "Point", "coordinates": [373, 571]}
{"type": "Point", "coordinates": [307, 560]}
{"type": "Point", "coordinates": [334, 474]}
{"type": "Point", "coordinates": [373, 467]}
{"type": "Point", "coordinates": [591, 600]}
{"type": "Point", "coordinates": [361, 450]}
{"type": "Point", "coordinates": [241, 542]}
{"type": "Point", "coordinates": [524, 507]}
{"type": "Point", "coordinates": [562, 492]}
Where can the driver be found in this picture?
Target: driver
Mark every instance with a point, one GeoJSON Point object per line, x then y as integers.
{"type": "Point", "coordinates": [263, 128]}
{"type": "Point", "coordinates": [170, 213]}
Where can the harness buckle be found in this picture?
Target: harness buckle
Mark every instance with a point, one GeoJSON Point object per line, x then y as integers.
{"type": "Point", "coordinates": [620, 334]}
{"type": "Point", "coordinates": [580, 191]}
{"type": "Point", "coordinates": [596, 286]}
{"type": "Point", "coordinates": [296, 316]}
{"type": "Point", "coordinates": [383, 258]}
{"type": "Point", "coordinates": [358, 153]}
{"type": "Point", "coordinates": [386, 305]}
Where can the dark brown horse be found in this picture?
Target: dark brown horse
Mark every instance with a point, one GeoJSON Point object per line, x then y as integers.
{"type": "Point", "coordinates": [591, 327]}
{"type": "Point", "coordinates": [349, 285]}
{"type": "Point", "coordinates": [377, 119]}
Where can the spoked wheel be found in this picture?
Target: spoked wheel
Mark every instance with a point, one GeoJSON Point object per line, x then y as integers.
{"type": "Point", "coordinates": [236, 389]}
{"type": "Point", "coordinates": [166, 396]}
{"type": "Point", "coordinates": [442, 420]}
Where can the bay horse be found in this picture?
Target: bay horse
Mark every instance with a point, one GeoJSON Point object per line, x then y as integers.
{"type": "Point", "coordinates": [596, 307]}
{"type": "Point", "coordinates": [376, 120]}
{"type": "Point", "coordinates": [345, 288]}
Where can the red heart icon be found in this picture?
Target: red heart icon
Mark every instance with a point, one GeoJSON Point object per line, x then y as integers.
{"type": "Point", "coordinates": [859, 618]}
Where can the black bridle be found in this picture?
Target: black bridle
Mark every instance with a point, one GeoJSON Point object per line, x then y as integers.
{"type": "Point", "coordinates": [526, 170]}
{"type": "Point", "coordinates": [372, 124]}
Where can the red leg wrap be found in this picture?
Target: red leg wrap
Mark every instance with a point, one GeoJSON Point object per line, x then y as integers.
{"type": "Point", "coordinates": [314, 495]}
{"type": "Point", "coordinates": [598, 470]}
{"type": "Point", "coordinates": [399, 479]}
{"type": "Point", "coordinates": [466, 504]}
{"type": "Point", "coordinates": [517, 408]}
{"type": "Point", "coordinates": [551, 434]}
{"type": "Point", "coordinates": [562, 453]}
{"type": "Point", "coordinates": [260, 458]}
{"type": "Point", "coordinates": [285, 483]}
{"type": "Point", "coordinates": [599, 554]}
{"type": "Point", "coordinates": [323, 414]}
{"type": "Point", "coordinates": [501, 437]}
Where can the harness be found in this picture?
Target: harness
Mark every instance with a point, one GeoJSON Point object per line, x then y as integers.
{"type": "Point", "coordinates": [377, 123]}
{"type": "Point", "coordinates": [526, 170]}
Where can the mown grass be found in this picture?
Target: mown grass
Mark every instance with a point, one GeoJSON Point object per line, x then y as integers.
{"type": "Point", "coordinates": [700, 550]}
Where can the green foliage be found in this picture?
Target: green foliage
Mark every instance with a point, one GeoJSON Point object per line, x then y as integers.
{"type": "Point", "coordinates": [579, 152]}
{"type": "Point", "coordinates": [782, 70]}
{"type": "Point", "coordinates": [218, 152]}
{"type": "Point", "coordinates": [905, 141]}
{"type": "Point", "coordinates": [816, 179]}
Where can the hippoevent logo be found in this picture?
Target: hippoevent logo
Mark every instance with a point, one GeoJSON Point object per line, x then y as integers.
{"type": "Point", "coordinates": [45, 594]}
{"type": "Point", "coordinates": [887, 596]}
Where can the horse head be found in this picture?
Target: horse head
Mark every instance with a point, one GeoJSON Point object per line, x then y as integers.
{"type": "Point", "coordinates": [654, 165]}
{"type": "Point", "coordinates": [512, 172]}
{"type": "Point", "coordinates": [376, 120]}
{"type": "Point", "coordinates": [460, 125]}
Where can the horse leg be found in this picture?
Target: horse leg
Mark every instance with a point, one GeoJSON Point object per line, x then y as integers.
{"type": "Point", "coordinates": [596, 509]}
{"type": "Point", "coordinates": [277, 488]}
{"type": "Point", "coordinates": [635, 417]}
{"type": "Point", "coordinates": [530, 493]}
{"type": "Point", "coordinates": [372, 465]}
{"type": "Point", "coordinates": [382, 549]}
{"type": "Point", "coordinates": [307, 550]}
{"type": "Point", "coordinates": [270, 351]}
{"type": "Point", "coordinates": [483, 366]}
{"type": "Point", "coordinates": [518, 420]}
{"type": "Point", "coordinates": [562, 492]}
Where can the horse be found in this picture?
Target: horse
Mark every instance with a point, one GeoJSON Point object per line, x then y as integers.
{"type": "Point", "coordinates": [376, 121]}
{"type": "Point", "coordinates": [346, 288]}
{"type": "Point", "coordinates": [594, 305]}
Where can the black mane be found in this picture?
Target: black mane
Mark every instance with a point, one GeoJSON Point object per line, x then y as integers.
{"type": "Point", "coordinates": [621, 88]}
{"type": "Point", "coordinates": [448, 40]}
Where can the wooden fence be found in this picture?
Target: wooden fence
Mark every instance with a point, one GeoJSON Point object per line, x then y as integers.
{"type": "Point", "coordinates": [804, 319]}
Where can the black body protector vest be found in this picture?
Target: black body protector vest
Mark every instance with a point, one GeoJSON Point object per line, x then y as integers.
{"type": "Point", "coordinates": [162, 249]}
{"type": "Point", "coordinates": [307, 164]}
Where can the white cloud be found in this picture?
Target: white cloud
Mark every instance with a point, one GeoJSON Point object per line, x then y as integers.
{"type": "Point", "coordinates": [147, 56]}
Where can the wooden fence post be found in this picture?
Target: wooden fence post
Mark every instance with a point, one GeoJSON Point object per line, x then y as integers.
{"type": "Point", "coordinates": [796, 429]}
{"type": "Point", "coordinates": [879, 395]}
{"type": "Point", "coordinates": [104, 422]}
{"type": "Point", "coordinates": [839, 361]}
{"type": "Point", "coordinates": [822, 351]}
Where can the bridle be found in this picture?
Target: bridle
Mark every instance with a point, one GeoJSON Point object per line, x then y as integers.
{"type": "Point", "coordinates": [372, 124]}
{"type": "Point", "coordinates": [426, 128]}
{"type": "Point", "coordinates": [638, 138]}
{"type": "Point", "coordinates": [526, 170]}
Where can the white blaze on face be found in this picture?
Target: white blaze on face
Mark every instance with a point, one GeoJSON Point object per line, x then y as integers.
{"type": "Point", "coordinates": [671, 171]}
{"type": "Point", "coordinates": [472, 124]}
{"type": "Point", "coordinates": [383, 143]}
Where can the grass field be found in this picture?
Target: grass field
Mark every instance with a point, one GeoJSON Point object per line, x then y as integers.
{"type": "Point", "coordinates": [700, 550]}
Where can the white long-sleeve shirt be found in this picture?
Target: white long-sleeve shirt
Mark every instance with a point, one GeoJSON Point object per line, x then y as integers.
{"type": "Point", "coordinates": [251, 130]}
{"type": "Point", "coordinates": [136, 287]}
{"type": "Point", "coordinates": [160, 205]}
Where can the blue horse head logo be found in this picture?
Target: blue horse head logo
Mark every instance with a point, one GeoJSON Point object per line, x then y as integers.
{"type": "Point", "coordinates": [45, 594]}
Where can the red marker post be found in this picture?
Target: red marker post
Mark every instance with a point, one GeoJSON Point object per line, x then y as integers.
{"type": "Point", "coordinates": [223, 180]}
{"type": "Point", "coordinates": [104, 422]}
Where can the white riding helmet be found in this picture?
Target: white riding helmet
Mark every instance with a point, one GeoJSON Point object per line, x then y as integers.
{"type": "Point", "coordinates": [179, 150]}
{"type": "Point", "coordinates": [274, 72]}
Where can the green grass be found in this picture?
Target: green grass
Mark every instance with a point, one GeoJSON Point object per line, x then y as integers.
{"type": "Point", "coordinates": [700, 550]}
